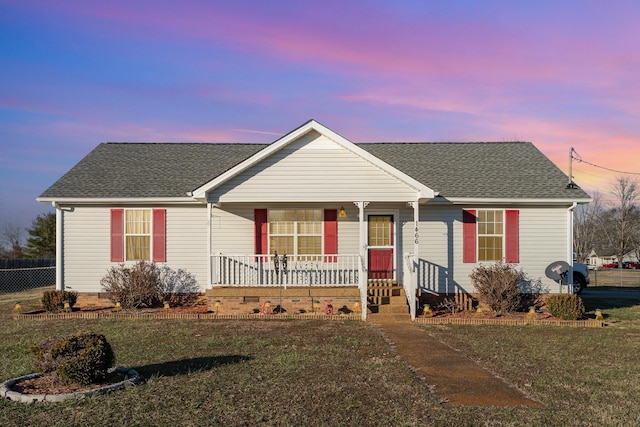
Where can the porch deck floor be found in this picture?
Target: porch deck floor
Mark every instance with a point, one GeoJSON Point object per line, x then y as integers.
{"type": "Point", "coordinates": [456, 379]}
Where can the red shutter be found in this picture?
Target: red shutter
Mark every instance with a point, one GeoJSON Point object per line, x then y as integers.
{"type": "Point", "coordinates": [468, 236]}
{"type": "Point", "coordinates": [261, 231]}
{"type": "Point", "coordinates": [159, 235]}
{"type": "Point", "coordinates": [512, 245]}
{"type": "Point", "coordinates": [330, 234]}
{"type": "Point", "coordinates": [117, 235]}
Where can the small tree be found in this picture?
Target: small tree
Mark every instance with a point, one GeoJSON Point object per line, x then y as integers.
{"type": "Point", "coordinates": [498, 286]}
{"type": "Point", "coordinates": [586, 230]}
{"type": "Point", "coordinates": [42, 243]}
{"type": "Point", "coordinates": [620, 223]}
{"type": "Point", "coordinates": [11, 242]}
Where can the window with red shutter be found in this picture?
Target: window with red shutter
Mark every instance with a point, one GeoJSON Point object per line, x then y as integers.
{"type": "Point", "coordinates": [512, 236]}
{"type": "Point", "coordinates": [468, 236]}
{"type": "Point", "coordinates": [159, 235]}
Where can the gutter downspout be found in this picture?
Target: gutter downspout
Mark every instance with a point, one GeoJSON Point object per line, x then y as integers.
{"type": "Point", "coordinates": [209, 234]}
{"type": "Point", "coordinates": [570, 246]}
{"type": "Point", "coordinates": [59, 247]}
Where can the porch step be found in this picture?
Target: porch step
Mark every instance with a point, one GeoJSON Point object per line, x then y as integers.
{"type": "Point", "coordinates": [383, 298]}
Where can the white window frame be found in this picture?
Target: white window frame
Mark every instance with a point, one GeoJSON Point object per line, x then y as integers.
{"type": "Point", "coordinates": [295, 235]}
{"type": "Point", "coordinates": [503, 235]}
{"type": "Point", "coordinates": [150, 234]}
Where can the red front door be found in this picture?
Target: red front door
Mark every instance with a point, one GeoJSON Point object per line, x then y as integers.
{"type": "Point", "coordinates": [380, 241]}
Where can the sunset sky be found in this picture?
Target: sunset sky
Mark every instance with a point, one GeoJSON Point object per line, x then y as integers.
{"type": "Point", "coordinates": [73, 74]}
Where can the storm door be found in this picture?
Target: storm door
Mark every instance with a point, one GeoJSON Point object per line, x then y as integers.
{"type": "Point", "coordinates": [380, 243]}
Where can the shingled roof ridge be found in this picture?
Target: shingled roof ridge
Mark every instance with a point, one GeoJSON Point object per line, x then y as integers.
{"type": "Point", "coordinates": [446, 142]}
{"type": "Point", "coordinates": [179, 143]}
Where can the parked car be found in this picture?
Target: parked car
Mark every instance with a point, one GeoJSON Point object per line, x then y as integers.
{"type": "Point", "coordinates": [580, 277]}
{"type": "Point", "coordinates": [631, 265]}
{"type": "Point", "coordinates": [610, 265]}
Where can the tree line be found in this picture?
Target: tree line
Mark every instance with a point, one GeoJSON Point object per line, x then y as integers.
{"type": "Point", "coordinates": [610, 226]}
{"type": "Point", "coordinates": [41, 242]}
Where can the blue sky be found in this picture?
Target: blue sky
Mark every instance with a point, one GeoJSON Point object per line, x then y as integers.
{"type": "Point", "coordinates": [77, 73]}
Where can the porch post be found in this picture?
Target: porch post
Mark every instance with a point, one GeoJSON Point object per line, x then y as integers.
{"type": "Point", "coordinates": [416, 258]}
{"type": "Point", "coordinates": [362, 267]}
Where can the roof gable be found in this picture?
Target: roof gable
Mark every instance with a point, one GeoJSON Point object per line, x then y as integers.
{"type": "Point", "coordinates": [309, 169]}
{"type": "Point", "coordinates": [296, 135]}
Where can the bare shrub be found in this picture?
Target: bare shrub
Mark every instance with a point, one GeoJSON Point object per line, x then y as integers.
{"type": "Point", "coordinates": [133, 287]}
{"type": "Point", "coordinates": [450, 305]}
{"type": "Point", "coordinates": [498, 286]}
{"type": "Point", "coordinates": [178, 287]}
{"type": "Point", "coordinates": [147, 285]}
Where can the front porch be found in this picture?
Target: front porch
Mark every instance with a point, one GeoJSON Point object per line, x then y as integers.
{"type": "Point", "coordinates": [298, 284]}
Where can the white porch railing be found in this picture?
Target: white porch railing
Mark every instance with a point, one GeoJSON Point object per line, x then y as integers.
{"type": "Point", "coordinates": [292, 270]}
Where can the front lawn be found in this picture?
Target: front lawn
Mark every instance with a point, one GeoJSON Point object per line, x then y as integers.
{"type": "Point", "coordinates": [331, 373]}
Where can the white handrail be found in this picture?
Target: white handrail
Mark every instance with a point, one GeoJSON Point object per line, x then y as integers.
{"type": "Point", "coordinates": [300, 270]}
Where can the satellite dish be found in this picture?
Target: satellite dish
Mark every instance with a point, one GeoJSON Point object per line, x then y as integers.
{"type": "Point", "coordinates": [558, 271]}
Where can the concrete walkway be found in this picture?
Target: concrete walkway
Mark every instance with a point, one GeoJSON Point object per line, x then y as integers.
{"type": "Point", "coordinates": [455, 378]}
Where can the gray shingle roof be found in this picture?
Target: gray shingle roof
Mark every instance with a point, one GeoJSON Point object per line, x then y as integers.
{"type": "Point", "coordinates": [478, 170]}
{"type": "Point", "coordinates": [481, 169]}
{"type": "Point", "coordinates": [148, 169]}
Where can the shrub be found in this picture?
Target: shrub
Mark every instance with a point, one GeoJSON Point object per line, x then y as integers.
{"type": "Point", "coordinates": [133, 287]}
{"type": "Point", "coordinates": [146, 285]}
{"type": "Point", "coordinates": [498, 286]}
{"type": "Point", "coordinates": [567, 307]}
{"type": "Point", "coordinates": [178, 287]}
{"type": "Point", "coordinates": [54, 300]}
{"type": "Point", "coordinates": [81, 358]}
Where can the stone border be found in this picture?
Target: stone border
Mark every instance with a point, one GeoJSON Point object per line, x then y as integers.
{"type": "Point", "coordinates": [513, 322]}
{"type": "Point", "coordinates": [6, 392]}
{"type": "Point", "coordinates": [192, 316]}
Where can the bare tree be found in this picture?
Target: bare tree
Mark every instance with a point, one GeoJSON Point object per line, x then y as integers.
{"type": "Point", "coordinates": [11, 242]}
{"type": "Point", "coordinates": [586, 227]}
{"type": "Point", "coordinates": [619, 224]}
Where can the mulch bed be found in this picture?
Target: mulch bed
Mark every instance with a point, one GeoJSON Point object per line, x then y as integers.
{"type": "Point", "coordinates": [49, 384]}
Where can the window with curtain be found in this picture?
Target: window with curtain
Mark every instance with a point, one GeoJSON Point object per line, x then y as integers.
{"type": "Point", "coordinates": [295, 231]}
{"type": "Point", "coordinates": [490, 234]}
{"type": "Point", "coordinates": [137, 234]}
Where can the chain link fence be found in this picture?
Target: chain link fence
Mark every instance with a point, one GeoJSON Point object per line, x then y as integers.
{"type": "Point", "coordinates": [21, 275]}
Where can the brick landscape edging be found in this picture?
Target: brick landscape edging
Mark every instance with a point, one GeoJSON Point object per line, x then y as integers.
{"type": "Point", "coordinates": [6, 392]}
{"type": "Point", "coordinates": [590, 323]}
{"type": "Point", "coordinates": [192, 316]}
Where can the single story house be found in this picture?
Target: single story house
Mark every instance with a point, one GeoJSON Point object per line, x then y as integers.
{"type": "Point", "coordinates": [314, 212]}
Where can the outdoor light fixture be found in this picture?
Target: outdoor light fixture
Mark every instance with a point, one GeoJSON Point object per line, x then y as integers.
{"type": "Point", "coordinates": [118, 307]}
{"type": "Point", "coordinates": [67, 306]}
{"type": "Point", "coordinates": [166, 305]}
{"type": "Point", "coordinates": [343, 213]}
{"type": "Point", "coordinates": [17, 308]}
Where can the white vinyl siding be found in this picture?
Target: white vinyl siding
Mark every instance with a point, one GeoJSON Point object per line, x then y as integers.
{"type": "Point", "coordinates": [86, 239]}
{"type": "Point", "coordinates": [312, 169]}
{"type": "Point", "coordinates": [542, 233]}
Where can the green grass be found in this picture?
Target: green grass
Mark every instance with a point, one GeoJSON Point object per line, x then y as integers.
{"type": "Point", "coordinates": [332, 373]}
